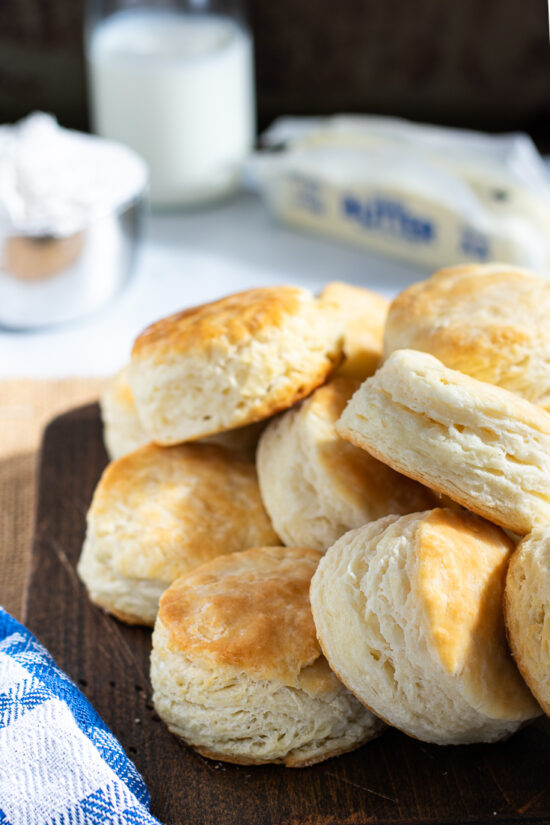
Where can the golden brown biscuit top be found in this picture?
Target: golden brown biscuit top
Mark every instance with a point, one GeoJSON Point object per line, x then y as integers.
{"type": "Point", "coordinates": [181, 506]}
{"type": "Point", "coordinates": [364, 311]}
{"type": "Point", "coordinates": [364, 314]}
{"type": "Point", "coordinates": [476, 296]}
{"type": "Point", "coordinates": [490, 321]}
{"type": "Point", "coordinates": [235, 319]}
{"type": "Point", "coordinates": [461, 570]}
{"type": "Point", "coordinates": [249, 611]}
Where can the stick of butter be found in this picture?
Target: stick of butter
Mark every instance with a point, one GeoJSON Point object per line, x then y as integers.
{"type": "Point", "coordinates": [428, 195]}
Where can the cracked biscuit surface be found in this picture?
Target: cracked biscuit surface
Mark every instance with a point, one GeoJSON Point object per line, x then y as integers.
{"type": "Point", "coordinates": [481, 445]}
{"type": "Point", "coordinates": [237, 670]}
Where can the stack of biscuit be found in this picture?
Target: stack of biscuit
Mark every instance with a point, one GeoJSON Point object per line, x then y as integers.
{"type": "Point", "coordinates": [350, 571]}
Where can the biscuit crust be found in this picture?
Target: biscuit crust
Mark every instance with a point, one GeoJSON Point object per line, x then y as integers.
{"type": "Point", "coordinates": [123, 432]}
{"type": "Point", "coordinates": [364, 315]}
{"type": "Point", "coordinates": [315, 485]}
{"type": "Point", "coordinates": [232, 362]}
{"type": "Point", "coordinates": [490, 321]}
{"type": "Point", "coordinates": [527, 612]}
{"type": "Point", "coordinates": [157, 513]}
{"type": "Point", "coordinates": [249, 611]}
{"type": "Point", "coordinates": [484, 447]}
{"type": "Point", "coordinates": [408, 613]}
{"type": "Point", "coordinates": [234, 319]}
{"type": "Point", "coordinates": [237, 670]}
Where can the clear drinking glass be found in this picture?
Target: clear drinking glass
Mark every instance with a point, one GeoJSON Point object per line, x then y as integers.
{"type": "Point", "coordinates": [174, 81]}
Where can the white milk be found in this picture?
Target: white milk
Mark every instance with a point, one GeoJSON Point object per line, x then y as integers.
{"type": "Point", "coordinates": [179, 90]}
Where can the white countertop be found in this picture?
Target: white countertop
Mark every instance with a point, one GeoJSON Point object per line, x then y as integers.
{"type": "Point", "coordinates": [186, 259]}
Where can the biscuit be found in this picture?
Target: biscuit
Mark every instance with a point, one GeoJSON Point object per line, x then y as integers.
{"type": "Point", "coordinates": [122, 430]}
{"type": "Point", "coordinates": [490, 321]}
{"type": "Point", "coordinates": [527, 612]}
{"type": "Point", "coordinates": [316, 486]}
{"type": "Point", "coordinates": [242, 440]}
{"type": "Point", "coordinates": [481, 445]}
{"type": "Point", "coordinates": [123, 433]}
{"type": "Point", "coordinates": [160, 512]}
{"type": "Point", "coordinates": [237, 670]}
{"type": "Point", "coordinates": [408, 611]}
{"type": "Point", "coordinates": [232, 362]}
{"type": "Point", "coordinates": [364, 315]}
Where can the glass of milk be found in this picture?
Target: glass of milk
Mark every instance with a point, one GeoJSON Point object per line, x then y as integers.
{"type": "Point", "coordinates": [174, 81]}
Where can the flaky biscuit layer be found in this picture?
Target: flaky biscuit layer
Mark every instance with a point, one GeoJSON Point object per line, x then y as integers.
{"type": "Point", "coordinates": [483, 446]}
{"type": "Point", "coordinates": [408, 613]}
{"type": "Point", "coordinates": [527, 612]}
{"type": "Point", "coordinates": [232, 362]}
{"type": "Point", "coordinates": [315, 485]}
{"type": "Point", "coordinates": [123, 432]}
{"type": "Point", "coordinates": [237, 670]}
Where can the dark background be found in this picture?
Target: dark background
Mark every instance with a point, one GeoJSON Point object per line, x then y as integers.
{"type": "Point", "coordinates": [477, 63]}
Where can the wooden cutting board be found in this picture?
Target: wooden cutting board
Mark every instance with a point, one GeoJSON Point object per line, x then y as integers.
{"type": "Point", "coordinates": [391, 780]}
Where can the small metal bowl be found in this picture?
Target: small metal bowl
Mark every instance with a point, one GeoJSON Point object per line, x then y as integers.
{"type": "Point", "coordinates": [47, 280]}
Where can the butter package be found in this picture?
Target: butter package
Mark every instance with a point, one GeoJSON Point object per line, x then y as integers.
{"type": "Point", "coordinates": [428, 195]}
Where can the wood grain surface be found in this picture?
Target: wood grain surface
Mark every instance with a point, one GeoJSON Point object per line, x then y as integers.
{"type": "Point", "coordinates": [392, 780]}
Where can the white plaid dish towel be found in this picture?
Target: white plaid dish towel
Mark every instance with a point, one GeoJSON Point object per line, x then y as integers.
{"type": "Point", "coordinates": [59, 763]}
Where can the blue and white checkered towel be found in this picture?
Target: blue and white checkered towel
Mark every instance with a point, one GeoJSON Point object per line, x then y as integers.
{"type": "Point", "coordinates": [59, 763]}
